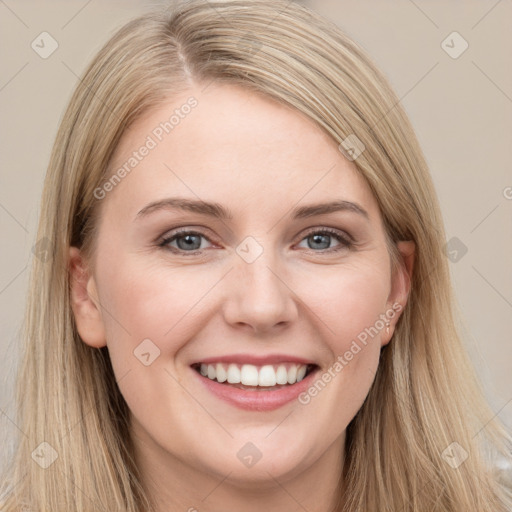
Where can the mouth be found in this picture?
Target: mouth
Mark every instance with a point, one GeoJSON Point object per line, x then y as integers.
{"type": "Point", "coordinates": [253, 377]}
{"type": "Point", "coordinates": [256, 387]}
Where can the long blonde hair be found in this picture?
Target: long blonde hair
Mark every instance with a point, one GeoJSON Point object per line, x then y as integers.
{"type": "Point", "coordinates": [424, 397]}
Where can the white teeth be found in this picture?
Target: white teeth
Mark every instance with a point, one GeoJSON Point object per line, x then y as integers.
{"type": "Point", "coordinates": [251, 375]}
{"type": "Point", "coordinates": [281, 375]}
{"type": "Point", "coordinates": [267, 376]}
{"type": "Point", "coordinates": [300, 373]}
{"type": "Point", "coordinates": [233, 374]}
{"type": "Point", "coordinates": [292, 375]}
{"type": "Point", "coordinates": [221, 373]}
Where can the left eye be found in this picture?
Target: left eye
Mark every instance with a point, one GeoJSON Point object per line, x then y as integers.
{"type": "Point", "coordinates": [189, 241]}
{"type": "Point", "coordinates": [321, 240]}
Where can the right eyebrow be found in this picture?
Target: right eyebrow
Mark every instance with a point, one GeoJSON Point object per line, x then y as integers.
{"type": "Point", "coordinates": [191, 205]}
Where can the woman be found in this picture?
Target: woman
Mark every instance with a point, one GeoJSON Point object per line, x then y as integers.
{"type": "Point", "coordinates": [247, 304]}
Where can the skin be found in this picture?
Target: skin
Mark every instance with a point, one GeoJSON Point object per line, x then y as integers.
{"type": "Point", "coordinates": [259, 159]}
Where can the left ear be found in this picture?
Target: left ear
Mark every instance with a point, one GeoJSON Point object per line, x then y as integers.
{"type": "Point", "coordinates": [400, 286]}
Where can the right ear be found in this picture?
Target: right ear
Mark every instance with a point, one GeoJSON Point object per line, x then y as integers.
{"type": "Point", "coordinates": [84, 301]}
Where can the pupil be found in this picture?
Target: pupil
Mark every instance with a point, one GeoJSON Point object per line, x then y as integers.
{"type": "Point", "coordinates": [189, 242]}
{"type": "Point", "coordinates": [318, 240]}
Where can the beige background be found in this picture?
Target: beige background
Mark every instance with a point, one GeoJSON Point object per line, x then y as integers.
{"type": "Point", "coordinates": [461, 109]}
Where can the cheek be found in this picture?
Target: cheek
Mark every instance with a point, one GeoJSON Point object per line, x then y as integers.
{"type": "Point", "coordinates": [157, 303]}
{"type": "Point", "coordinates": [348, 300]}
{"type": "Point", "coordinates": [153, 311]}
{"type": "Point", "coordinates": [350, 303]}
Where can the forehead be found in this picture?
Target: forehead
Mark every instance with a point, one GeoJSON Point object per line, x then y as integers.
{"type": "Point", "coordinates": [233, 146]}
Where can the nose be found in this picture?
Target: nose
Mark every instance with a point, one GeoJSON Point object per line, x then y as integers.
{"type": "Point", "coordinates": [258, 297]}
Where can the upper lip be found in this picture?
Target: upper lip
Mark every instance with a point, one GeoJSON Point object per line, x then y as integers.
{"type": "Point", "coordinates": [257, 360]}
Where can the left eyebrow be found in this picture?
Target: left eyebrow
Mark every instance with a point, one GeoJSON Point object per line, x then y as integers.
{"type": "Point", "coordinates": [218, 211]}
{"type": "Point", "coordinates": [325, 208]}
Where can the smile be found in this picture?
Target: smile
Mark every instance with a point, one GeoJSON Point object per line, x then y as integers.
{"type": "Point", "coordinates": [255, 387]}
{"type": "Point", "coordinates": [252, 375]}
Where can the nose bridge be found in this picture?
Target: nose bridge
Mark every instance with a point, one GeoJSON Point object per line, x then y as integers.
{"type": "Point", "coordinates": [258, 295]}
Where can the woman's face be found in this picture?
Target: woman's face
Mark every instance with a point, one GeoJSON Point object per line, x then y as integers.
{"type": "Point", "coordinates": [273, 287]}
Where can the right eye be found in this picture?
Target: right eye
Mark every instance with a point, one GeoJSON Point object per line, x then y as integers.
{"type": "Point", "coordinates": [186, 242]}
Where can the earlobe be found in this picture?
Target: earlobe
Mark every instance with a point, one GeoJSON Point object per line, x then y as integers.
{"type": "Point", "coordinates": [400, 285]}
{"type": "Point", "coordinates": [84, 301]}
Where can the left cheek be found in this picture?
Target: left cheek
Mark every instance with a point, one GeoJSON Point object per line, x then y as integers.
{"type": "Point", "coordinates": [355, 362]}
{"type": "Point", "coordinates": [349, 302]}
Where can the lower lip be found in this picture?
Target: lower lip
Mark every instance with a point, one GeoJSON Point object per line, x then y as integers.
{"type": "Point", "coordinates": [257, 400]}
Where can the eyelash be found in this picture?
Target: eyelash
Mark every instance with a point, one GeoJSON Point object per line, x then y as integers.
{"type": "Point", "coordinates": [345, 241]}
